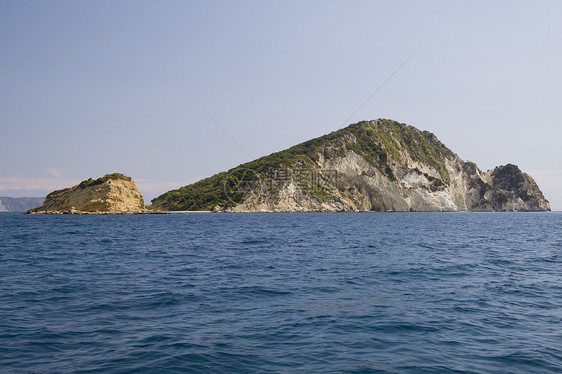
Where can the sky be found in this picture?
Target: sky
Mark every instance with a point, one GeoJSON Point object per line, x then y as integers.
{"type": "Point", "coordinates": [172, 92]}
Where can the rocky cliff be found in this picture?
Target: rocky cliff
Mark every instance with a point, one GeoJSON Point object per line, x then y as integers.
{"type": "Point", "coordinates": [110, 194]}
{"type": "Point", "coordinates": [377, 165]}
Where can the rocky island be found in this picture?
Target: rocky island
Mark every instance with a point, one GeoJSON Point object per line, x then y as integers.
{"type": "Point", "coordinates": [380, 165]}
{"type": "Point", "coordinates": [111, 194]}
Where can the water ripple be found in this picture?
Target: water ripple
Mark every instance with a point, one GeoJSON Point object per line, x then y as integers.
{"type": "Point", "coordinates": [271, 293]}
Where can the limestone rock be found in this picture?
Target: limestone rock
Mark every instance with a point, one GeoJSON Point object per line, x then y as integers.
{"type": "Point", "coordinates": [110, 194]}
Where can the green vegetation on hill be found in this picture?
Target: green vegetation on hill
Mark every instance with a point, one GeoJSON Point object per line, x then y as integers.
{"type": "Point", "coordinates": [202, 195]}
{"type": "Point", "coordinates": [105, 178]}
{"type": "Point", "coordinates": [510, 178]}
{"type": "Point", "coordinates": [380, 142]}
{"type": "Point", "coordinates": [389, 139]}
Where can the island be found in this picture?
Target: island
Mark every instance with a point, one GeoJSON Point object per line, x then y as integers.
{"type": "Point", "coordinates": [111, 194]}
{"type": "Point", "coordinates": [370, 166]}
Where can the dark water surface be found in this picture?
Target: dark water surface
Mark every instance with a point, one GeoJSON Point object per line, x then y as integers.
{"type": "Point", "coordinates": [281, 293]}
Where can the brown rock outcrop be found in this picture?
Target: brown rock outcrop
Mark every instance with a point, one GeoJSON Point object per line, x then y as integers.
{"type": "Point", "coordinates": [110, 194]}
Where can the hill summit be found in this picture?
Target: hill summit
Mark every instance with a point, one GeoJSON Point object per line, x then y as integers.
{"type": "Point", "coordinates": [379, 165]}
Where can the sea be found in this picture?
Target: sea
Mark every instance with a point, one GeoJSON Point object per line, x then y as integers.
{"type": "Point", "coordinates": [281, 293]}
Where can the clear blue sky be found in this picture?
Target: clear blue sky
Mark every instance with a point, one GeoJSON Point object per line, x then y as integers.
{"type": "Point", "coordinates": [80, 95]}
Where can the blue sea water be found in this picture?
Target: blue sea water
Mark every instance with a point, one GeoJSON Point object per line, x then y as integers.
{"type": "Point", "coordinates": [281, 293]}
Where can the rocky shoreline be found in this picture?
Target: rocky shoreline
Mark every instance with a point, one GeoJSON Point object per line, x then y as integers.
{"type": "Point", "coordinates": [79, 212]}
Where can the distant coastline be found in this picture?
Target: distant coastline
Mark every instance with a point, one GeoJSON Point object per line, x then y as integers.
{"type": "Point", "coordinates": [19, 204]}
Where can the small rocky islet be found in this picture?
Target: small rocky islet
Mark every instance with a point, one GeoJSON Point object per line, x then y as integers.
{"type": "Point", "coordinates": [370, 166]}
{"type": "Point", "coordinates": [111, 194]}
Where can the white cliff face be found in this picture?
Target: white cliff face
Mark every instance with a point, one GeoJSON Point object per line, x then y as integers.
{"type": "Point", "coordinates": [113, 196]}
{"type": "Point", "coordinates": [418, 187]}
